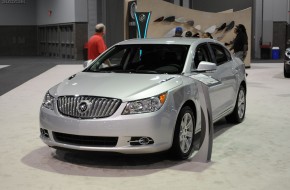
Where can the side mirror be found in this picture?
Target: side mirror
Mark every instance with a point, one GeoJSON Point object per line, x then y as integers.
{"type": "Point", "coordinates": [204, 66]}
{"type": "Point", "coordinates": [87, 63]}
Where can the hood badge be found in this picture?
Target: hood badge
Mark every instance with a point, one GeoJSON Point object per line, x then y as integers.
{"type": "Point", "coordinates": [83, 106]}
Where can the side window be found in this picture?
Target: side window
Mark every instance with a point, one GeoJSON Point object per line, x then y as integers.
{"type": "Point", "coordinates": [133, 59]}
{"type": "Point", "coordinates": [201, 54]}
{"type": "Point", "coordinates": [136, 55]}
{"type": "Point", "coordinates": [219, 53]}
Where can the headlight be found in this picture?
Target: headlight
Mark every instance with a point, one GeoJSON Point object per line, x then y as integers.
{"type": "Point", "coordinates": [147, 105]}
{"type": "Point", "coordinates": [48, 101]}
{"type": "Point", "coordinates": [287, 53]}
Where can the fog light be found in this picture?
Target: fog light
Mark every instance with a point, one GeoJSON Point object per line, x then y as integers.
{"type": "Point", "coordinates": [141, 141]}
{"type": "Point", "coordinates": [144, 140]}
{"type": "Point", "coordinates": [44, 133]}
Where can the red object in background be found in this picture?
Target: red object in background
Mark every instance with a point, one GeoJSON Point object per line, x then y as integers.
{"type": "Point", "coordinates": [49, 12]}
{"type": "Point", "coordinates": [265, 46]}
{"type": "Point", "coordinates": [86, 45]}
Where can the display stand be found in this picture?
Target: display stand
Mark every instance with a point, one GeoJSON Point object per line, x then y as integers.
{"type": "Point", "coordinates": [206, 138]}
{"type": "Point", "coordinates": [142, 20]}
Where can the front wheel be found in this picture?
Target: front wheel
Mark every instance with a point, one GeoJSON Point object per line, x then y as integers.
{"type": "Point", "coordinates": [238, 114]}
{"type": "Point", "coordinates": [183, 134]}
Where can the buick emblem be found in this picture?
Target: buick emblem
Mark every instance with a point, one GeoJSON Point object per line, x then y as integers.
{"type": "Point", "coordinates": [142, 17]}
{"type": "Point", "coordinates": [83, 106]}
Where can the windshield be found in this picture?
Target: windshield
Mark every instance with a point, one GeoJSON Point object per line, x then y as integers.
{"type": "Point", "coordinates": [142, 58]}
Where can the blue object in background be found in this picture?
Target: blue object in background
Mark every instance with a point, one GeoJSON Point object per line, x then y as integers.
{"type": "Point", "coordinates": [275, 53]}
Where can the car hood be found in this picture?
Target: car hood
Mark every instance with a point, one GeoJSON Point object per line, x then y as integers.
{"type": "Point", "coordinates": [117, 85]}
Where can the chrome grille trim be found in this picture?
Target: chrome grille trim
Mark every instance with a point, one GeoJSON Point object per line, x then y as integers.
{"type": "Point", "coordinates": [97, 107]}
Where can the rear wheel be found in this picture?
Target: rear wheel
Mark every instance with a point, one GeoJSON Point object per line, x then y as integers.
{"type": "Point", "coordinates": [183, 134]}
{"type": "Point", "coordinates": [238, 114]}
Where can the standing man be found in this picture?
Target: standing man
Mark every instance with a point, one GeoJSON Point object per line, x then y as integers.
{"type": "Point", "coordinates": [96, 44]}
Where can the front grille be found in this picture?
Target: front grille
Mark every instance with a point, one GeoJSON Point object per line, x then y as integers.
{"type": "Point", "coordinates": [87, 107]}
{"type": "Point", "coordinates": [85, 140]}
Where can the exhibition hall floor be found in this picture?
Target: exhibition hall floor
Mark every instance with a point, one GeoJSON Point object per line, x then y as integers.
{"type": "Point", "coordinates": [253, 155]}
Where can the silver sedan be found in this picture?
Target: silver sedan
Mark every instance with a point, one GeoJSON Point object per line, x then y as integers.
{"type": "Point", "coordinates": [143, 96]}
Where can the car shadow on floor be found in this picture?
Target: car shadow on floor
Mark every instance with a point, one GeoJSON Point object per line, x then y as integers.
{"type": "Point", "coordinates": [98, 164]}
{"type": "Point", "coordinates": [221, 127]}
{"type": "Point", "coordinates": [104, 164]}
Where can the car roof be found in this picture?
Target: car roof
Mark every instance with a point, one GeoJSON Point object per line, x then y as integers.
{"type": "Point", "coordinates": [172, 40]}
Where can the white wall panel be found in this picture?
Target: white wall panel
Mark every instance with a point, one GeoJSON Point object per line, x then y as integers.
{"type": "Point", "coordinates": [92, 17]}
{"type": "Point", "coordinates": [18, 14]}
{"type": "Point", "coordinates": [81, 11]}
{"type": "Point", "coordinates": [186, 3]}
{"type": "Point", "coordinates": [273, 11]}
{"type": "Point", "coordinates": [61, 11]}
{"type": "Point", "coordinates": [258, 23]}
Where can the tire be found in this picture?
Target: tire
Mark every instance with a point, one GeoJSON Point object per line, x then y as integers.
{"type": "Point", "coordinates": [286, 75]}
{"type": "Point", "coordinates": [184, 134]}
{"type": "Point", "coordinates": [238, 114]}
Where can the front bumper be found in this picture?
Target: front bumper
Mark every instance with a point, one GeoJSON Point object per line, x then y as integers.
{"type": "Point", "coordinates": [158, 126]}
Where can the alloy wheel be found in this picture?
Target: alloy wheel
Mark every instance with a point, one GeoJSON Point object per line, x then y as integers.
{"type": "Point", "coordinates": [186, 133]}
{"type": "Point", "coordinates": [241, 104]}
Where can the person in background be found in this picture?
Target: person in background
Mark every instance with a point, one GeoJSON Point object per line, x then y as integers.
{"type": "Point", "coordinates": [178, 32]}
{"type": "Point", "coordinates": [243, 30]}
{"type": "Point", "coordinates": [207, 35]}
{"type": "Point", "coordinates": [96, 43]}
{"type": "Point", "coordinates": [188, 34]}
{"type": "Point", "coordinates": [240, 43]}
